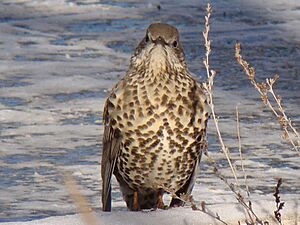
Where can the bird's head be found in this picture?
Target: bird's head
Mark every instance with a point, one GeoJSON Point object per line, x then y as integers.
{"type": "Point", "coordinates": [160, 49]}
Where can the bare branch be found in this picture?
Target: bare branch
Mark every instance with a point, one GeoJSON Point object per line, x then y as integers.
{"type": "Point", "coordinates": [209, 86]}
{"type": "Point", "coordinates": [289, 131]}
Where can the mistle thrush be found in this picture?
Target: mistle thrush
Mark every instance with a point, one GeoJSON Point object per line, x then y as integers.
{"type": "Point", "coordinates": [155, 124]}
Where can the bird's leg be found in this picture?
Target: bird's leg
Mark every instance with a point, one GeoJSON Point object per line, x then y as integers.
{"type": "Point", "coordinates": [160, 201]}
{"type": "Point", "coordinates": [136, 206]}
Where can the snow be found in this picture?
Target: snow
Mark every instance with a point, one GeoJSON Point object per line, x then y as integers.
{"type": "Point", "coordinates": [59, 59]}
{"type": "Point", "coordinates": [171, 216]}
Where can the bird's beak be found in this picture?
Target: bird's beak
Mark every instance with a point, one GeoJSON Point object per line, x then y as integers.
{"type": "Point", "coordinates": [160, 41]}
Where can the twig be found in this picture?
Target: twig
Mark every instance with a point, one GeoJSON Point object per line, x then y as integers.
{"type": "Point", "coordinates": [209, 85]}
{"type": "Point", "coordinates": [238, 195]}
{"type": "Point", "coordinates": [240, 149]}
{"type": "Point", "coordinates": [80, 201]}
{"type": "Point", "coordinates": [279, 204]}
{"type": "Point", "coordinates": [188, 199]}
{"type": "Point", "coordinates": [278, 110]}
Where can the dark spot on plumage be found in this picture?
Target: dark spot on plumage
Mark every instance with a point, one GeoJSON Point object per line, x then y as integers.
{"type": "Point", "coordinates": [185, 142]}
{"type": "Point", "coordinates": [190, 161]}
{"type": "Point", "coordinates": [135, 98]}
{"type": "Point", "coordinates": [125, 115]}
{"type": "Point", "coordinates": [179, 125]}
{"type": "Point", "coordinates": [172, 116]}
{"type": "Point", "coordinates": [170, 132]}
{"type": "Point", "coordinates": [177, 164]}
{"type": "Point", "coordinates": [164, 99]}
{"type": "Point", "coordinates": [199, 138]}
{"type": "Point", "coordinates": [180, 110]}
{"type": "Point", "coordinates": [154, 142]}
{"type": "Point", "coordinates": [162, 114]}
{"type": "Point", "coordinates": [160, 168]}
{"type": "Point", "coordinates": [154, 157]}
{"type": "Point", "coordinates": [193, 155]}
{"type": "Point", "coordinates": [140, 139]}
{"type": "Point", "coordinates": [113, 122]}
{"type": "Point", "coordinates": [110, 105]}
{"type": "Point", "coordinates": [159, 132]}
{"type": "Point", "coordinates": [171, 106]}
{"type": "Point", "coordinates": [149, 112]}
{"type": "Point", "coordinates": [172, 151]}
{"type": "Point", "coordinates": [156, 116]}
{"type": "Point", "coordinates": [169, 172]}
{"type": "Point", "coordinates": [179, 97]}
{"type": "Point", "coordinates": [137, 177]}
{"type": "Point", "coordinates": [138, 132]}
{"type": "Point", "coordinates": [151, 132]}
{"type": "Point", "coordinates": [134, 149]}
{"type": "Point", "coordinates": [142, 144]}
{"type": "Point", "coordinates": [185, 100]}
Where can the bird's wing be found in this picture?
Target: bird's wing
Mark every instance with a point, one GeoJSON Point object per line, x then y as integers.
{"type": "Point", "coordinates": [111, 146]}
{"type": "Point", "coordinates": [201, 110]}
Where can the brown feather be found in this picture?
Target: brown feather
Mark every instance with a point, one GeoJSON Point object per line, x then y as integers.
{"type": "Point", "coordinates": [111, 147]}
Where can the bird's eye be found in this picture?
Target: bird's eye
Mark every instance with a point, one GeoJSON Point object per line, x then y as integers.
{"type": "Point", "coordinates": [147, 39]}
{"type": "Point", "coordinates": [175, 44]}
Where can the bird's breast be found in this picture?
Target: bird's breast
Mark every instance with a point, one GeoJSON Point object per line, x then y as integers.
{"type": "Point", "coordinates": [161, 134]}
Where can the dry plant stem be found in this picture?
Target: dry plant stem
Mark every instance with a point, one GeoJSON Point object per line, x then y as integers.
{"type": "Point", "coordinates": [80, 201]}
{"type": "Point", "coordinates": [264, 89]}
{"type": "Point", "coordinates": [287, 120]}
{"type": "Point", "coordinates": [209, 85]}
{"type": "Point", "coordinates": [189, 199]}
{"type": "Point", "coordinates": [237, 194]}
{"type": "Point", "coordinates": [277, 98]}
{"type": "Point", "coordinates": [279, 204]}
{"type": "Point", "coordinates": [240, 149]}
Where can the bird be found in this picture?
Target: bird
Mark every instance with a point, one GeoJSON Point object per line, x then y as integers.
{"type": "Point", "coordinates": [155, 121]}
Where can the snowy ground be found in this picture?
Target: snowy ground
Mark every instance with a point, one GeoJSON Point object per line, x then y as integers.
{"type": "Point", "coordinates": [58, 60]}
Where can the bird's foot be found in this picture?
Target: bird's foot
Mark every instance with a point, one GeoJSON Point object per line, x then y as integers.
{"type": "Point", "coordinates": [160, 202]}
{"type": "Point", "coordinates": [136, 206]}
